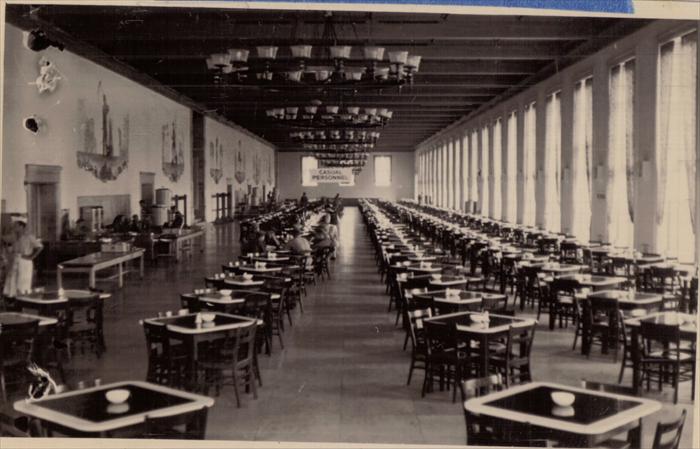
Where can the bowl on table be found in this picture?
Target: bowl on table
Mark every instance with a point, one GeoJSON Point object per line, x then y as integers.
{"type": "Point", "coordinates": [563, 398]}
{"type": "Point", "coordinates": [225, 292]}
{"type": "Point", "coordinates": [118, 395]}
{"type": "Point", "coordinates": [437, 276]}
{"type": "Point", "coordinates": [247, 276]}
{"type": "Point", "coordinates": [208, 317]}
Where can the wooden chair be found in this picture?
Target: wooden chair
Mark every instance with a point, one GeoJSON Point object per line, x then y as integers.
{"type": "Point", "coordinates": [85, 324]}
{"type": "Point", "coordinates": [478, 432]}
{"type": "Point", "coordinates": [513, 362]}
{"type": "Point", "coordinates": [668, 435]}
{"type": "Point", "coordinates": [16, 351]}
{"type": "Point", "coordinates": [183, 426]}
{"type": "Point", "coordinates": [662, 357]}
{"type": "Point", "coordinates": [418, 341]}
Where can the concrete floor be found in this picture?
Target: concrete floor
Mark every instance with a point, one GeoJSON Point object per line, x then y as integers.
{"type": "Point", "coordinates": [342, 374]}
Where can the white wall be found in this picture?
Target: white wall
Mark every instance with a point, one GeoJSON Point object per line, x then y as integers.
{"type": "Point", "coordinates": [289, 172]}
{"type": "Point", "coordinates": [643, 45]}
{"type": "Point", "coordinates": [251, 159]}
{"type": "Point", "coordinates": [64, 133]}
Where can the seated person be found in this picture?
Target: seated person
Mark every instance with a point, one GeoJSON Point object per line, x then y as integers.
{"type": "Point", "coordinates": [135, 225]}
{"type": "Point", "coordinates": [178, 219]}
{"type": "Point", "coordinates": [254, 244]}
{"type": "Point", "coordinates": [120, 224]}
{"type": "Point", "coordinates": [271, 239]}
{"type": "Point", "coordinates": [322, 239]}
{"type": "Point", "coordinates": [298, 245]}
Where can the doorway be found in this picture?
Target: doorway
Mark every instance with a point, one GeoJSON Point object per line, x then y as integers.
{"type": "Point", "coordinates": [43, 200]}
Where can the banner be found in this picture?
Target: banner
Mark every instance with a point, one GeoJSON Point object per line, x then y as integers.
{"type": "Point", "coordinates": [331, 175]}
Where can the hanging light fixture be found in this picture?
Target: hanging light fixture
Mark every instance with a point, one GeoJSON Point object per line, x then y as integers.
{"type": "Point", "coordinates": [272, 65]}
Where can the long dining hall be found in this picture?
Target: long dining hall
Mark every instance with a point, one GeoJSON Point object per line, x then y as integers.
{"type": "Point", "coordinates": [347, 227]}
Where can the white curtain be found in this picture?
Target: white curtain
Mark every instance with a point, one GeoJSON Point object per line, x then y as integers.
{"type": "Point", "coordinates": [474, 167]}
{"type": "Point", "coordinates": [511, 209]}
{"type": "Point", "coordinates": [457, 170]}
{"type": "Point", "coordinates": [466, 191]}
{"type": "Point", "coordinates": [448, 176]}
{"type": "Point", "coordinates": [496, 199]}
{"type": "Point", "coordinates": [529, 163]}
{"type": "Point", "coordinates": [552, 163]}
{"type": "Point", "coordinates": [582, 140]}
{"type": "Point", "coordinates": [675, 157]}
{"type": "Point", "coordinates": [484, 172]}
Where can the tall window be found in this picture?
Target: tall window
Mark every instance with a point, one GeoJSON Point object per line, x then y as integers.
{"type": "Point", "coordinates": [382, 171]}
{"type": "Point", "coordinates": [529, 163]}
{"type": "Point", "coordinates": [496, 170]}
{"type": "Point", "coordinates": [552, 163]}
{"type": "Point", "coordinates": [457, 174]}
{"type": "Point", "coordinates": [466, 192]}
{"type": "Point", "coordinates": [485, 147]}
{"type": "Point", "coordinates": [474, 169]}
{"type": "Point", "coordinates": [675, 149]}
{"type": "Point", "coordinates": [511, 209]}
{"type": "Point", "coordinates": [450, 173]}
{"type": "Point", "coordinates": [620, 189]}
{"type": "Point", "coordinates": [308, 163]}
{"type": "Point", "coordinates": [582, 159]}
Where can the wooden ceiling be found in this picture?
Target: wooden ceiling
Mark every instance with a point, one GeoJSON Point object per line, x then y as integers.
{"type": "Point", "coordinates": [467, 61]}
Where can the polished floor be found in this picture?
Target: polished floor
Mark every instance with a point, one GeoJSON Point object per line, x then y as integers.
{"type": "Point", "coordinates": [341, 376]}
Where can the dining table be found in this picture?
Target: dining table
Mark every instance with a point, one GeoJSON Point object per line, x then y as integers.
{"type": "Point", "coordinates": [482, 329]}
{"type": "Point", "coordinates": [595, 282]}
{"type": "Point", "coordinates": [592, 418]}
{"type": "Point", "coordinates": [50, 302]}
{"type": "Point", "coordinates": [192, 331]}
{"type": "Point", "coordinates": [88, 413]}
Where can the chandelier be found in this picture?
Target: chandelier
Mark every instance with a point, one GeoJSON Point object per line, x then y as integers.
{"type": "Point", "coordinates": [347, 136]}
{"type": "Point", "coordinates": [304, 65]}
{"type": "Point", "coordinates": [317, 116]}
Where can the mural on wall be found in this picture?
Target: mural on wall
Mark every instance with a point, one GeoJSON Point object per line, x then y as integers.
{"type": "Point", "coordinates": [49, 76]}
{"type": "Point", "coordinates": [216, 156]}
{"type": "Point", "coordinates": [240, 164]}
{"type": "Point", "coordinates": [270, 169]}
{"type": "Point", "coordinates": [172, 150]}
{"type": "Point", "coordinates": [102, 149]}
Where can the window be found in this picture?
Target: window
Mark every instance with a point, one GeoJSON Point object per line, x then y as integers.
{"type": "Point", "coordinates": [382, 171]}
{"type": "Point", "coordinates": [620, 155]}
{"type": "Point", "coordinates": [511, 209]}
{"type": "Point", "coordinates": [676, 140]}
{"type": "Point", "coordinates": [474, 170]}
{"type": "Point", "coordinates": [466, 195]}
{"type": "Point", "coordinates": [457, 174]}
{"type": "Point", "coordinates": [496, 170]}
{"type": "Point", "coordinates": [450, 172]}
{"type": "Point", "coordinates": [582, 159]}
{"type": "Point", "coordinates": [529, 164]}
{"type": "Point", "coordinates": [308, 163]}
{"type": "Point", "coordinates": [484, 173]}
{"type": "Point", "coordinates": [552, 163]}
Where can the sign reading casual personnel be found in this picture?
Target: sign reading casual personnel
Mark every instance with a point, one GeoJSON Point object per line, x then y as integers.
{"type": "Point", "coordinates": [331, 175]}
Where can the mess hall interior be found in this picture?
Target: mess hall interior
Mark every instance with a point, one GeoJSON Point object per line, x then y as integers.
{"type": "Point", "coordinates": [357, 226]}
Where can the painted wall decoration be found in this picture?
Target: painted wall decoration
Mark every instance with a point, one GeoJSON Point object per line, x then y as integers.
{"type": "Point", "coordinates": [240, 164]}
{"type": "Point", "coordinates": [216, 156]}
{"type": "Point", "coordinates": [49, 76]}
{"type": "Point", "coordinates": [103, 150]}
{"type": "Point", "coordinates": [172, 150]}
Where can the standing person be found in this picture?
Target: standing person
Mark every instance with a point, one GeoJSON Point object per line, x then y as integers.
{"type": "Point", "coordinates": [304, 200]}
{"type": "Point", "coordinates": [22, 253]}
{"type": "Point", "coordinates": [332, 233]}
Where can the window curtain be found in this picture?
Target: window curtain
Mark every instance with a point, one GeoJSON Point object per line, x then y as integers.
{"type": "Point", "coordinates": [581, 179]}
{"type": "Point", "coordinates": [529, 163]}
{"type": "Point", "coordinates": [474, 169]}
{"type": "Point", "coordinates": [484, 173]}
{"type": "Point", "coordinates": [496, 140]}
{"type": "Point", "coordinates": [466, 191]}
{"type": "Point", "coordinates": [552, 166]}
{"type": "Point", "coordinates": [457, 201]}
{"type": "Point", "coordinates": [675, 156]}
{"type": "Point", "coordinates": [511, 208]}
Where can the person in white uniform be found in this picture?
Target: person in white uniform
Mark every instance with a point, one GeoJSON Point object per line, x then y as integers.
{"type": "Point", "coordinates": [21, 266]}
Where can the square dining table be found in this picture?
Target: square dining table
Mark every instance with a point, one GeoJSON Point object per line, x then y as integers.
{"type": "Point", "coordinates": [593, 418]}
{"type": "Point", "coordinates": [50, 301]}
{"type": "Point", "coordinates": [192, 332]}
{"type": "Point", "coordinates": [595, 282]}
{"type": "Point", "coordinates": [471, 327]}
{"type": "Point", "coordinates": [88, 413]}
{"type": "Point", "coordinates": [259, 269]}
{"type": "Point", "coordinates": [629, 300]}
{"type": "Point", "coordinates": [10, 318]}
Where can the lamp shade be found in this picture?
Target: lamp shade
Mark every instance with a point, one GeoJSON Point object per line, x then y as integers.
{"type": "Point", "coordinates": [413, 62]}
{"type": "Point", "coordinates": [267, 52]}
{"type": "Point", "coordinates": [332, 109]}
{"type": "Point", "coordinates": [238, 55]}
{"type": "Point", "coordinates": [373, 53]}
{"type": "Point", "coordinates": [292, 110]}
{"type": "Point", "coordinates": [311, 109]}
{"type": "Point", "coordinates": [371, 111]}
{"type": "Point", "coordinates": [354, 110]}
{"type": "Point", "coordinates": [398, 57]}
{"type": "Point", "coordinates": [294, 76]}
{"type": "Point", "coordinates": [322, 75]}
{"type": "Point", "coordinates": [340, 51]}
{"type": "Point", "coordinates": [301, 51]}
{"type": "Point", "coordinates": [219, 60]}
